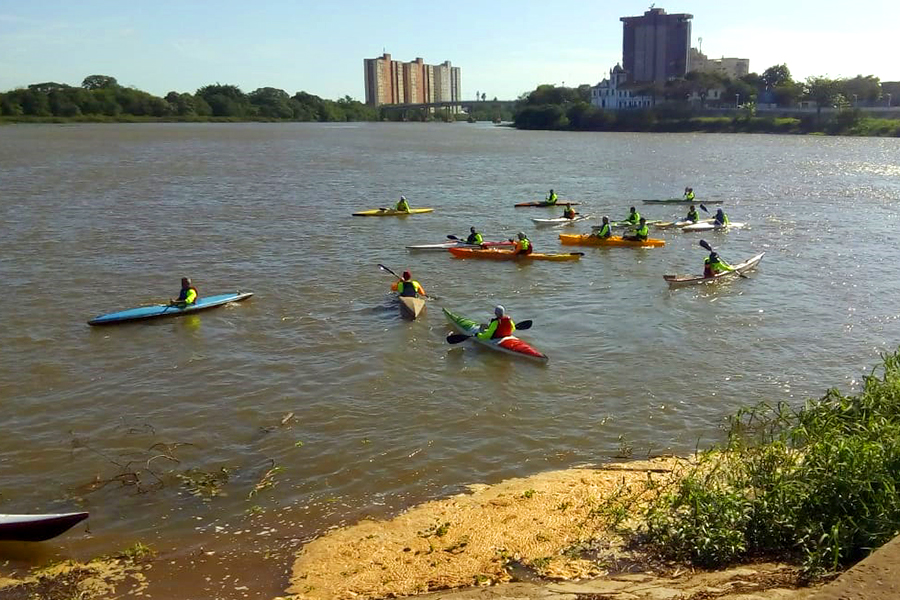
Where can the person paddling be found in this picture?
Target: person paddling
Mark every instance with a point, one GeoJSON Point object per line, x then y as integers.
{"type": "Point", "coordinates": [713, 265]}
{"type": "Point", "coordinates": [641, 232]}
{"type": "Point", "coordinates": [403, 205]}
{"type": "Point", "coordinates": [523, 245]}
{"type": "Point", "coordinates": [689, 194]}
{"type": "Point", "coordinates": [551, 198]}
{"type": "Point", "coordinates": [408, 287]}
{"type": "Point", "coordinates": [187, 296]}
{"type": "Point", "coordinates": [605, 230]}
{"type": "Point", "coordinates": [500, 326]}
{"type": "Point", "coordinates": [569, 213]}
{"type": "Point", "coordinates": [634, 217]}
{"type": "Point", "coordinates": [474, 237]}
{"type": "Point", "coordinates": [693, 216]}
{"type": "Point", "coordinates": [721, 219]}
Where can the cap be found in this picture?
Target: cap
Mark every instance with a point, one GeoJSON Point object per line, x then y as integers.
{"type": "Point", "coordinates": [499, 310]}
{"type": "Point", "coordinates": [521, 235]}
{"type": "Point", "coordinates": [403, 197]}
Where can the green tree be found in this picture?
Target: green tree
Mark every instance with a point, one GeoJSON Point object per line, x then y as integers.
{"type": "Point", "coordinates": [822, 90]}
{"type": "Point", "coordinates": [776, 75]}
{"type": "Point", "coordinates": [225, 100]}
{"type": "Point", "coordinates": [865, 89]}
{"type": "Point", "coordinates": [272, 103]}
{"type": "Point", "coordinates": [99, 82]}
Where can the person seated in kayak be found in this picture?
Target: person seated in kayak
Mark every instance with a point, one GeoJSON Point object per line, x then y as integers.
{"type": "Point", "coordinates": [713, 265]}
{"type": "Point", "coordinates": [693, 216]}
{"type": "Point", "coordinates": [187, 296]}
{"type": "Point", "coordinates": [569, 213]}
{"type": "Point", "coordinates": [474, 237]}
{"type": "Point", "coordinates": [500, 326]}
{"type": "Point", "coordinates": [689, 194]}
{"type": "Point", "coordinates": [408, 287]}
{"type": "Point", "coordinates": [634, 217]}
{"type": "Point", "coordinates": [523, 245]}
{"type": "Point", "coordinates": [403, 205]}
{"type": "Point", "coordinates": [605, 230]}
{"type": "Point", "coordinates": [641, 232]}
{"type": "Point", "coordinates": [721, 218]}
{"type": "Point", "coordinates": [551, 198]}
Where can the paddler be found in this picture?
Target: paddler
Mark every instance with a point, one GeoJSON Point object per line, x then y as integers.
{"type": "Point", "coordinates": [693, 216]}
{"type": "Point", "coordinates": [523, 245]}
{"type": "Point", "coordinates": [408, 287]}
{"type": "Point", "coordinates": [551, 198]}
{"type": "Point", "coordinates": [641, 232]}
{"type": "Point", "coordinates": [474, 237]}
{"type": "Point", "coordinates": [713, 265]}
{"type": "Point", "coordinates": [500, 326]}
{"type": "Point", "coordinates": [187, 296]}
{"type": "Point", "coordinates": [605, 230]}
{"type": "Point", "coordinates": [634, 217]}
{"type": "Point", "coordinates": [403, 205]}
{"type": "Point", "coordinates": [569, 213]}
{"type": "Point", "coordinates": [689, 194]}
{"type": "Point", "coordinates": [721, 218]}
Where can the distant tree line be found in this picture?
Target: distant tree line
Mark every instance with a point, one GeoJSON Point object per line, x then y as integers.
{"type": "Point", "coordinates": [551, 107]}
{"type": "Point", "coordinates": [102, 96]}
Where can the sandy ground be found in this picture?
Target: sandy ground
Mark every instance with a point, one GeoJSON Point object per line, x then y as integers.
{"type": "Point", "coordinates": [105, 578]}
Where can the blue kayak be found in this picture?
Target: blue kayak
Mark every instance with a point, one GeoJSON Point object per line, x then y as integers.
{"type": "Point", "coordinates": [164, 310]}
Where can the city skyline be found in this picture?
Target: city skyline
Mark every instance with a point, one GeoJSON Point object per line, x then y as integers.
{"type": "Point", "coordinates": [315, 48]}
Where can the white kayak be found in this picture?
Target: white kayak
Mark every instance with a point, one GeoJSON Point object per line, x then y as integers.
{"type": "Point", "coordinates": [677, 281]}
{"type": "Point", "coordinates": [679, 224]}
{"type": "Point", "coordinates": [560, 221]}
{"type": "Point", "coordinates": [712, 227]}
{"type": "Point", "coordinates": [448, 245]}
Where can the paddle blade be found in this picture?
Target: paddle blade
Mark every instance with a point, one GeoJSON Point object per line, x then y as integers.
{"type": "Point", "coordinates": [452, 237]}
{"type": "Point", "coordinates": [455, 338]}
{"type": "Point", "coordinates": [705, 245]}
{"type": "Point", "coordinates": [704, 209]}
{"type": "Point", "coordinates": [526, 324]}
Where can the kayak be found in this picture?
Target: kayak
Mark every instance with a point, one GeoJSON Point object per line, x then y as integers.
{"type": "Point", "coordinates": [570, 239]}
{"type": "Point", "coordinates": [509, 344]}
{"type": "Point", "coordinates": [448, 245]}
{"type": "Point", "coordinates": [679, 224]}
{"type": "Point", "coordinates": [682, 201]}
{"type": "Point", "coordinates": [676, 281]}
{"type": "Point", "coordinates": [623, 224]}
{"type": "Point", "coordinates": [712, 227]}
{"type": "Point", "coordinates": [559, 221]}
{"type": "Point", "coordinates": [545, 204]}
{"type": "Point", "coordinates": [37, 528]}
{"type": "Point", "coordinates": [498, 254]}
{"type": "Point", "coordinates": [390, 212]}
{"type": "Point", "coordinates": [410, 307]}
{"type": "Point", "coordinates": [164, 310]}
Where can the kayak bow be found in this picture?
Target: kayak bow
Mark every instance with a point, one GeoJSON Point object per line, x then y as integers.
{"type": "Point", "coordinates": [509, 344]}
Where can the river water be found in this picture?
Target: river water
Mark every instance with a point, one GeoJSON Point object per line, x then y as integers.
{"type": "Point", "coordinates": [254, 427]}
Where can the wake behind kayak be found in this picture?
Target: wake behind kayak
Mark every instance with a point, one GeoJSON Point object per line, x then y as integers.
{"type": "Point", "coordinates": [165, 310]}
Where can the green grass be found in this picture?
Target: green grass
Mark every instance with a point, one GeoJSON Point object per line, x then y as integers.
{"type": "Point", "coordinates": [819, 485]}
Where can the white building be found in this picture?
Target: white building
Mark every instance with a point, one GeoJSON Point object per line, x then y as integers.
{"type": "Point", "coordinates": [616, 93]}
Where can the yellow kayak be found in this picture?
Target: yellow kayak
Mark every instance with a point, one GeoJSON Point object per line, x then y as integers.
{"type": "Point", "coordinates": [573, 239]}
{"type": "Point", "coordinates": [497, 254]}
{"type": "Point", "coordinates": [390, 212]}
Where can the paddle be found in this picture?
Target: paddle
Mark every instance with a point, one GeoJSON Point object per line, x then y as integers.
{"type": "Point", "coordinates": [704, 209]}
{"type": "Point", "coordinates": [384, 268]}
{"type": "Point", "coordinates": [455, 338]}
{"type": "Point", "coordinates": [708, 247]}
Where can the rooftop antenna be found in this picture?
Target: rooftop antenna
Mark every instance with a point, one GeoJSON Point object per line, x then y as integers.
{"type": "Point", "coordinates": [700, 40]}
{"type": "Point", "coordinates": [652, 5]}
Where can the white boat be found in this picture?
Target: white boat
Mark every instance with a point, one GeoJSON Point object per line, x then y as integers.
{"type": "Point", "coordinates": [679, 224]}
{"type": "Point", "coordinates": [712, 227]}
{"type": "Point", "coordinates": [682, 281]}
{"type": "Point", "coordinates": [560, 221]}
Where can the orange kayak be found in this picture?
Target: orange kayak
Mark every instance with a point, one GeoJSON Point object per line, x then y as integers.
{"type": "Point", "coordinates": [497, 254]}
{"type": "Point", "coordinates": [574, 239]}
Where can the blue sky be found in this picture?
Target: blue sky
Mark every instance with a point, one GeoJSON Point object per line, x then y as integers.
{"type": "Point", "coordinates": [504, 48]}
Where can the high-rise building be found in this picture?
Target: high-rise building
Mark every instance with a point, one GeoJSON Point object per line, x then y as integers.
{"type": "Point", "coordinates": [656, 46]}
{"type": "Point", "coordinates": [393, 82]}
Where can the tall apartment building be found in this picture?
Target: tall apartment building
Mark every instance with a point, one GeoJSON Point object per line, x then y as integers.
{"type": "Point", "coordinates": [393, 82]}
{"type": "Point", "coordinates": [730, 67]}
{"type": "Point", "coordinates": [655, 47]}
